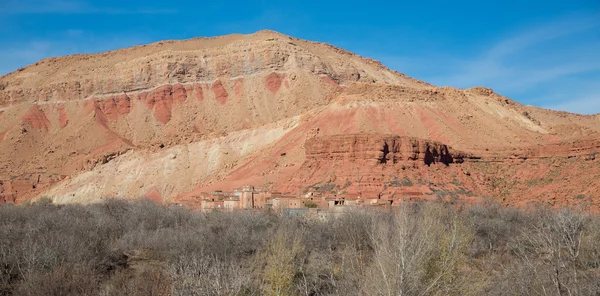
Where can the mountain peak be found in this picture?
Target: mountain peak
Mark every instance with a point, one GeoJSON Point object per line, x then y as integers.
{"type": "Point", "coordinates": [186, 61]}
{"type": "Point", "coordinates": [222, 112]}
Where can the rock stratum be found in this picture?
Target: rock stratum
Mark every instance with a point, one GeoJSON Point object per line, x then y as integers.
{"type": "Point", "coordinates": [171, 119]}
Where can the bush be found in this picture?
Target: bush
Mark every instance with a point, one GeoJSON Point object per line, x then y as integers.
{"type": "Point", "coordinates": [425, 248]}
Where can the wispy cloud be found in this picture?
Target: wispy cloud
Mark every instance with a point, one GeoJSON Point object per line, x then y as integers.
{"type": "Point", "coordinates": [543, 33]}
{"type": "Point", "coordinates": [18, 54]}
{"type": "Point", "coordinates": [15, 56]}
{"type": "Point", "coordinates": [71, 7]}
{"type": "Point", "coordinates": [526, 64]}
{"type": "Point", "coordinates": [583, 105]}
{"type": "Point", "coordinates": [511, 61]}
{"type": "Point", "coordinates": [74, 33]}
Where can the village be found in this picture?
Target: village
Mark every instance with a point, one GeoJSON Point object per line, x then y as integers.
{"type": "Point", "coordinates": [253, 198]}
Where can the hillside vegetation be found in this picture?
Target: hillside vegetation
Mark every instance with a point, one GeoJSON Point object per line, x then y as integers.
{"type": "Point", "coordinates": [426, 248]}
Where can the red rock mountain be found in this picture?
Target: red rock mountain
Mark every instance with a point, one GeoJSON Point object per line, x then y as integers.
{"type": "Point", "coordinates": [170, 119]}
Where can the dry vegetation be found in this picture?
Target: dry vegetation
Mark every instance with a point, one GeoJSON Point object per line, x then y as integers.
{"type": "Point", "coordinates": [426, 248]}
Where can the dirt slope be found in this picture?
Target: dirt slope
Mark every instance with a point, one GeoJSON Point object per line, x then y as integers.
{"type": "Point", "coordinates": [174, 118]}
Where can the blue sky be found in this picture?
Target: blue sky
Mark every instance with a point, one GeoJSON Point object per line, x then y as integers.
{"type": "Point", "coordinates": [542, 53]}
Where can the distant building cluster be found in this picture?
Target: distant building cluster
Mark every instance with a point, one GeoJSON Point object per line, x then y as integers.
{"type": "Point", "coordinates": [249, 197]}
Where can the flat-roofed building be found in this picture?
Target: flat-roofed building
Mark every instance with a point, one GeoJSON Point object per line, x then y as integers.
{"type": "Point", "coordinates": [286, 203]}
{"type": "Point", "coordinates": [231, 204]}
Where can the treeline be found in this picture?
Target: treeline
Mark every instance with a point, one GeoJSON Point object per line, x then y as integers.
{"type": "Point", "coordinates": [424, 248]}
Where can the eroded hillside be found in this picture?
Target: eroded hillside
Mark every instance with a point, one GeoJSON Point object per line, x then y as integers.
{"type": "Point", "coordinates": [171, 119]}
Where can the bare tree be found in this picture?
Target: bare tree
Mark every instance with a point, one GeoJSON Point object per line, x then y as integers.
{"type": "Point", "coordinates": [417, 253]}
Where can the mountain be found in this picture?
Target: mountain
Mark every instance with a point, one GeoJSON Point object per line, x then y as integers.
{"type": "Point", "coordinates": [172, 119]}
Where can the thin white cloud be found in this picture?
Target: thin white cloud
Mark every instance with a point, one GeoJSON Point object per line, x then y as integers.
{"type": "Point", "coordinates": [582, 105]}
{"type": "Point", "coordinates": [543, 33]}
{"type": "Point", "coordinates": [509, 60]}
{"type": "Point", "coordinates": [17, 56]}
{"type": "Point", "coordinates": [20, 54]}
{"type": "Point", "coordinates": [71, 7]}
{"type": "Point", "coordinates": [552, 73]}
{"type": "Point", "coordinates": [543, 59]}
{"type": "Point", "coordinates": [74, 33]}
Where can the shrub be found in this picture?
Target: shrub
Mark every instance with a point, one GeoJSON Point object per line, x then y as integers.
{"type": "Point", "coordinates": [425, 248]}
